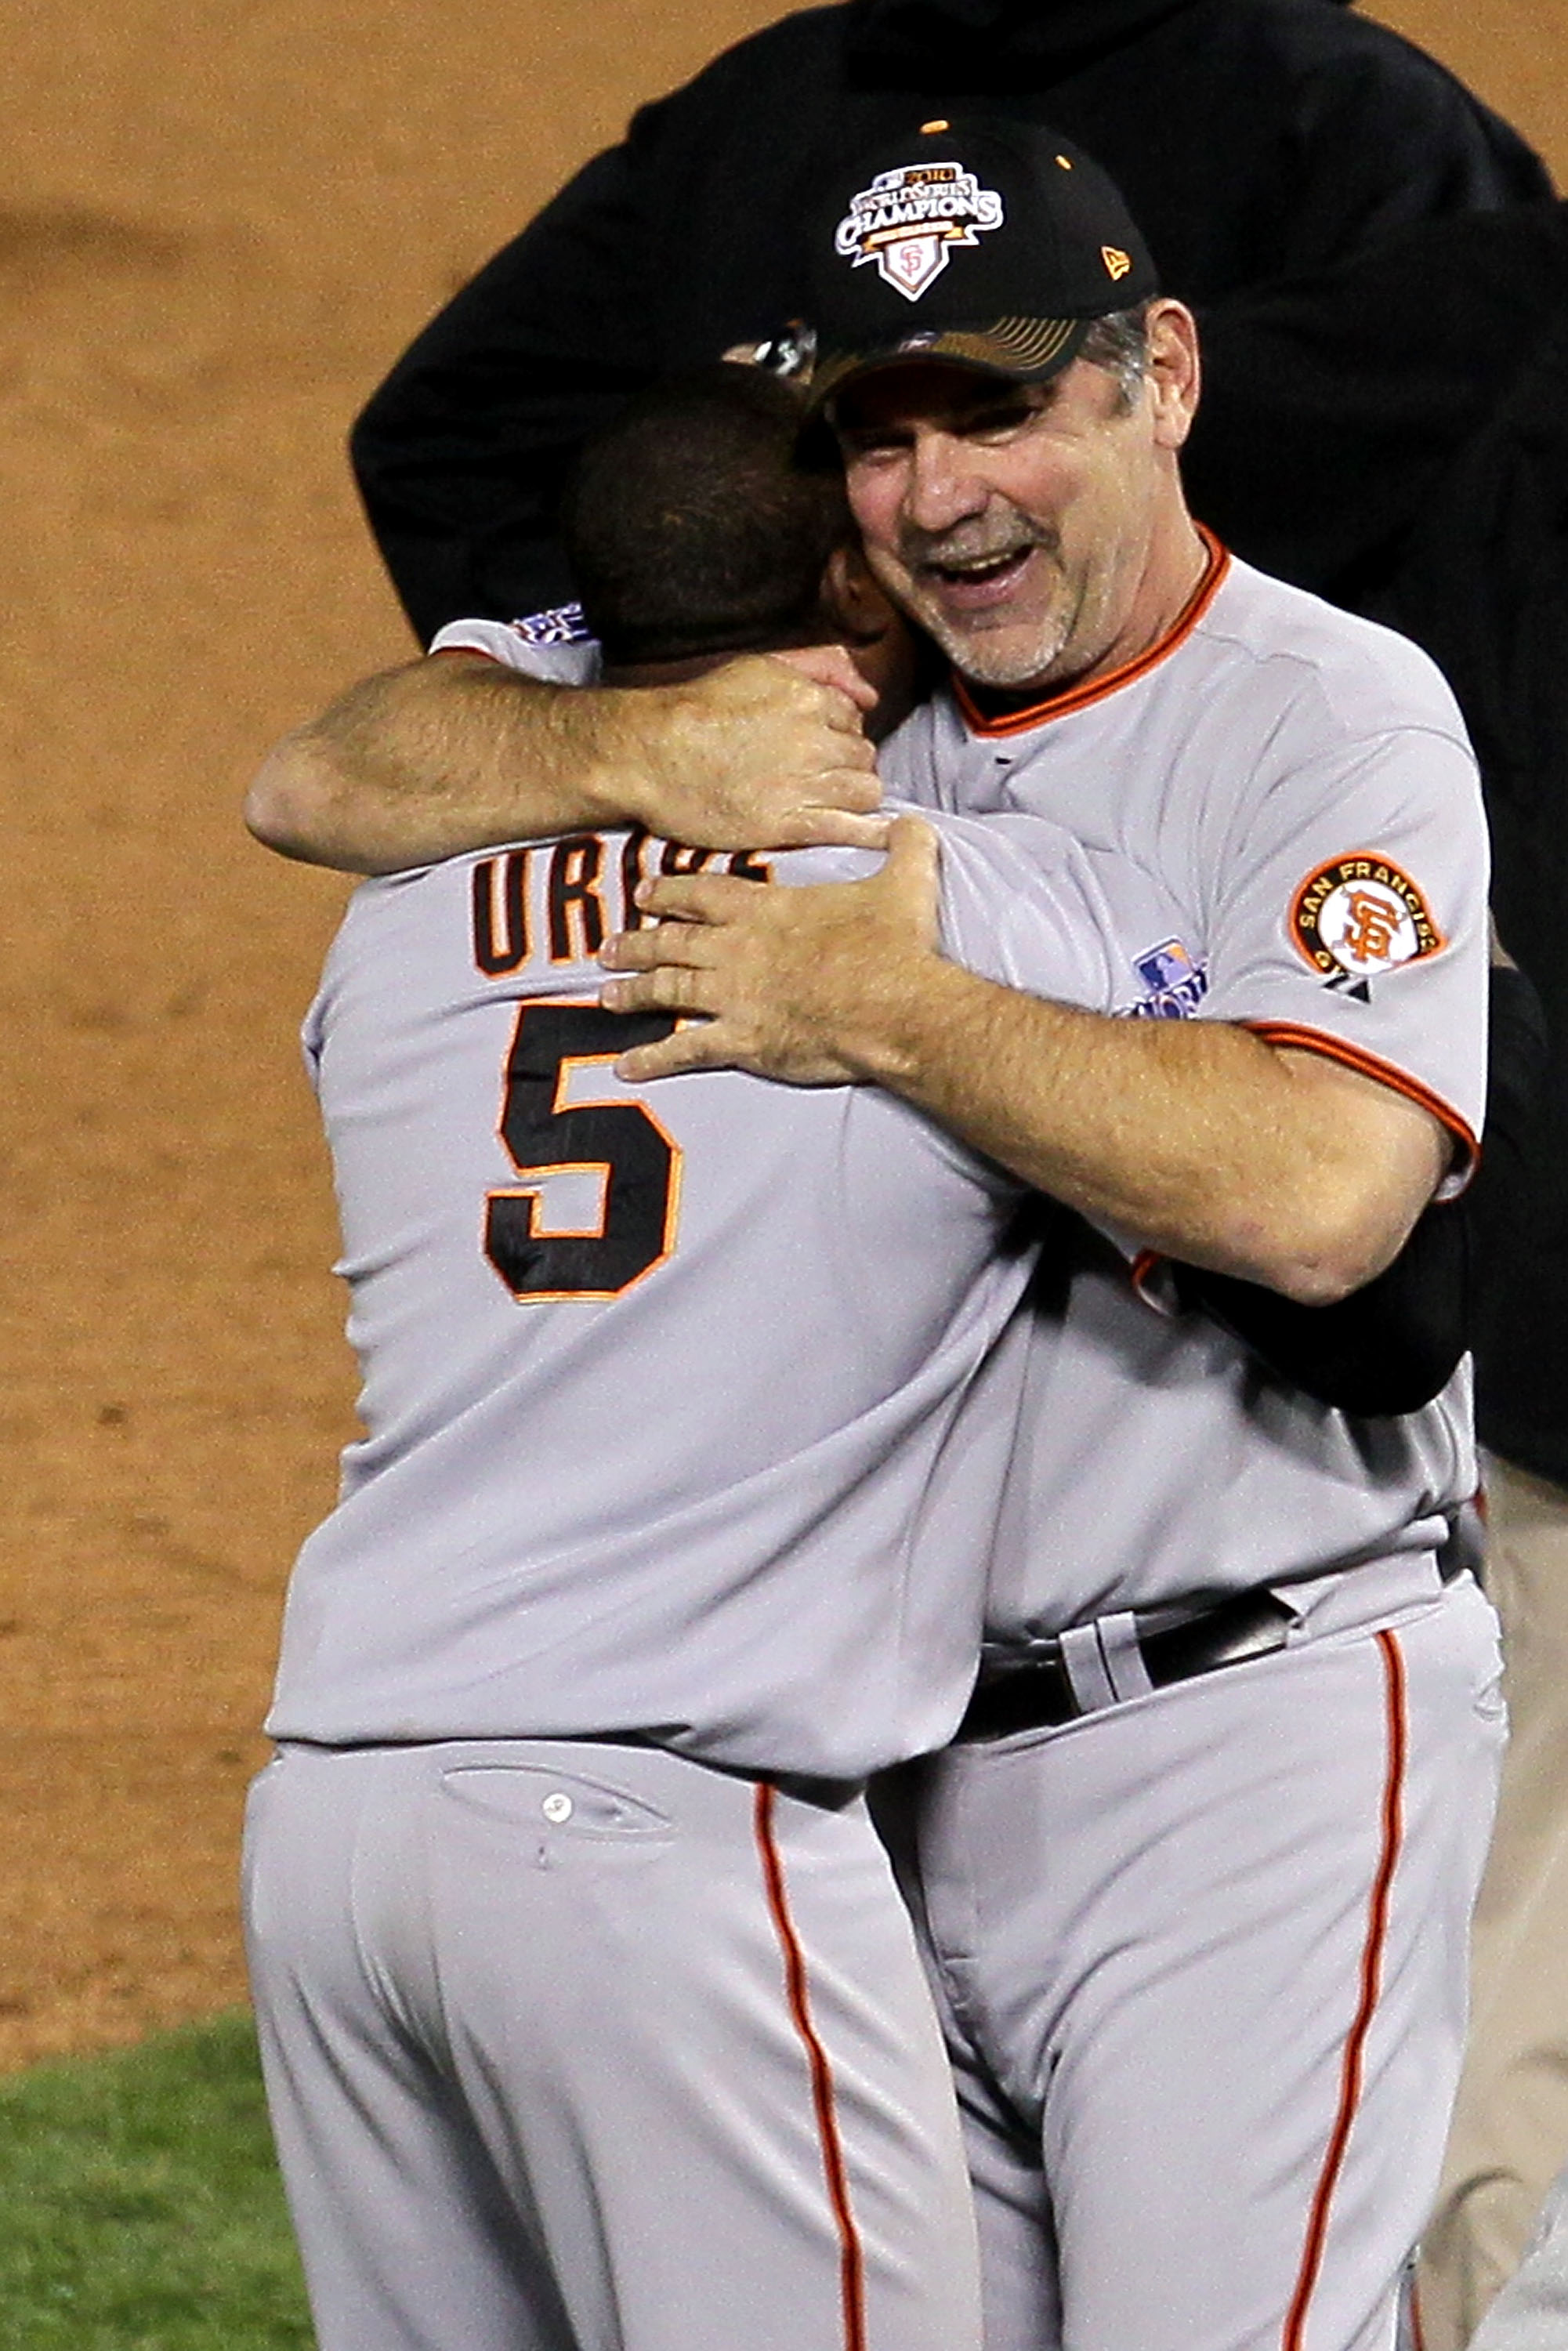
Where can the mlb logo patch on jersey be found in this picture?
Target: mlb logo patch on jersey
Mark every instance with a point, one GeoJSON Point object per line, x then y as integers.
{"type": "Point", "coordinates": [1174, 982]}
{"type": "Point", "coordinates": [563, 624]}
{"type": "Point", "coordinates": [910, 219]}
{"type": "Point", "coordinates": [1360, 916]}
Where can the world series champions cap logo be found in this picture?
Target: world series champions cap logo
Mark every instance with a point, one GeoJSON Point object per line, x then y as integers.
{"type": "Point", "coordinates": [910, 219]}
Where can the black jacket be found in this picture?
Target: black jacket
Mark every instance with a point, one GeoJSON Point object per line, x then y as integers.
{"type": "Point", "coordinates": [1482, 582]}
{"type": "Point", "coordinates": [1254, 138]}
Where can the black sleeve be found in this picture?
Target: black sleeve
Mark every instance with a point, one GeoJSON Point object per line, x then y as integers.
{"type": "Point", "coordinates": [461, 454]}
{"type": "Point", "coordinates": [1391, 1346]}
{"type": "Point", "coordinates": [1518, 1058]}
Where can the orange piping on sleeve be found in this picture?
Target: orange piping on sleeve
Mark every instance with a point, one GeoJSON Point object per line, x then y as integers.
{"type": "Point", "coordinates": [1352, 1057]}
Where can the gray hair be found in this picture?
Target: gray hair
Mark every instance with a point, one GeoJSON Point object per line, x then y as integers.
{"type": "Point", "coordinates": [1119, 343]}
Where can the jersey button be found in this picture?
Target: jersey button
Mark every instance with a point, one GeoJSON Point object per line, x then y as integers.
{"type": "Point", "coordinates": [557, 1806]}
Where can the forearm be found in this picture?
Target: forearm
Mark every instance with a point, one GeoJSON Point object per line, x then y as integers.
{"type": "Point", "coordinates": [439, 756]}
{"type": "Point", "coordinates": [456, 752]}
{"type": "Point", "coordinates": [1193, 1137]}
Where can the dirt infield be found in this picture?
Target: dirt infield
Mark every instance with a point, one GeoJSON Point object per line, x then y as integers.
{"type": "Point", "coordinates": [219, 220]}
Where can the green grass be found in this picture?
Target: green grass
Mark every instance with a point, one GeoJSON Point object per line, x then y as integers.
{"type": "Point", "coordinates": [140, 2205]}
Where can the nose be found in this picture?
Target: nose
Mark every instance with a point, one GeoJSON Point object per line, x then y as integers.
{"type": "Point", "coordinates": [942, 487]}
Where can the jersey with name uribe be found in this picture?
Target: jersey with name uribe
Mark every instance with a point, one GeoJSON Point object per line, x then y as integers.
{"type": "Point", "coordinates": [661, 1386]}
{"type": "Point", "coordinates": [1298, 785]}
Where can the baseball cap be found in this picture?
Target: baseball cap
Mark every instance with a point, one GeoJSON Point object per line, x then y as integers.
{"type": "Point", "coordinates": [987, 243]}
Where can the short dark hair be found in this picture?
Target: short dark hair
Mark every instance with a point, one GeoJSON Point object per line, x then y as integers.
{"type": "Point", "coordinates": [695, 524]}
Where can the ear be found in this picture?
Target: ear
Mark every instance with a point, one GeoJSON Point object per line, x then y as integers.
{"type": "Point", "coordinates": [854, 602]}
{"type": "Point", "coordinates": [881, 645]}
{"type": "Point", "coordinates": [1175, 373]}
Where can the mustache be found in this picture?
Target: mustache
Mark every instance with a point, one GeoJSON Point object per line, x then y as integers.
{"type": "Point", "coordinates": [981, 539]}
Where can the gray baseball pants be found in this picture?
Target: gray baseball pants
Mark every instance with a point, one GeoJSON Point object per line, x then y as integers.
{"type": "Point", "coordinates": [579, 2047]}
{"type": "Point", "coordinates": [1203, 1955]}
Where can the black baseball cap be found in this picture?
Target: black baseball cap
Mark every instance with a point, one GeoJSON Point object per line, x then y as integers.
{"type": "Point", "coordinates": [987, 243]}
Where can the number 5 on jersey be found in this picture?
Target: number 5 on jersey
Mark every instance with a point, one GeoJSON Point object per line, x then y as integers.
{"type": "Point", "coordinates": [613, 1146]}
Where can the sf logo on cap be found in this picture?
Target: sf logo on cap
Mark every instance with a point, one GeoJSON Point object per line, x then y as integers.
{"type": "Point", "coordinates": [909, 219]}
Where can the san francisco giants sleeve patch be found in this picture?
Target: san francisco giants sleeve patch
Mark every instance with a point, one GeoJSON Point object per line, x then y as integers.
{"type": "Point", "coordinates": [1361, 915]}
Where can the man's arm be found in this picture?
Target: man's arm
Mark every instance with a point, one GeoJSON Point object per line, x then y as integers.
{"type": "Point", "coordinates": [456, 752]}
{"type": "Point", "coordinates": [1196, 1137]}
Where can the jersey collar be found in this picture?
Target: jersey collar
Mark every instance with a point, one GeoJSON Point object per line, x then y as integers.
{"type": "Point", "coordinates": [1078, 697]}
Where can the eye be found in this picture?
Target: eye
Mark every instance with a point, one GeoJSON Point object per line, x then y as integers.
{"type": "Point", "coordinates": [1000, 419]}
{"type": "Point", "coordinates": [871, 448]}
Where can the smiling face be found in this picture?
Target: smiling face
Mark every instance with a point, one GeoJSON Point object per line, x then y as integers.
{"type": "Point", "coordinates": [1037, 531]}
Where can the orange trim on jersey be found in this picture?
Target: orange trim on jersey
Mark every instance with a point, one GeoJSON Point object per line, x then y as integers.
{"type": "Point", "coordinates": [852, 2264]}
{"type": "Point", "coordinates": [1141, 1272]}
{"type": "Point", "coordinates": [1392, 1834]}
{"type": "Point", "coordinates": [1417, 2331]}
{"type": "Point", "coordinates": [1078, 697]}
{"type": "Point", "coordinates": [1335, 1049]}
{"type": "Point", "coordinates": [533, 1191]}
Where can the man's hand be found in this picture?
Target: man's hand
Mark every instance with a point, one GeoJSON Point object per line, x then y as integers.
{"type": "Point", "coordinates": [764, 752]}
{"type": "Point", "coordinates": [1206, 1143]}
{"type": "Point", "coordinates": [784, 977]}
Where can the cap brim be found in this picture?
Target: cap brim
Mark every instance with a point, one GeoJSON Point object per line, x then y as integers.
{"type": "Point", "coordinates": [1024, 350]}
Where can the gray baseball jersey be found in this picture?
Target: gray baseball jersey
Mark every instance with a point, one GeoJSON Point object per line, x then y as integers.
{"type": "Point", "coordinates": [1299, 785]}
{"type": "Point", "coordinates": [1215, 1931]}
{"type": "Point", "coordinates": [663, 1469]}
{"type": "Point", "coordinates": [660, 1387]}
